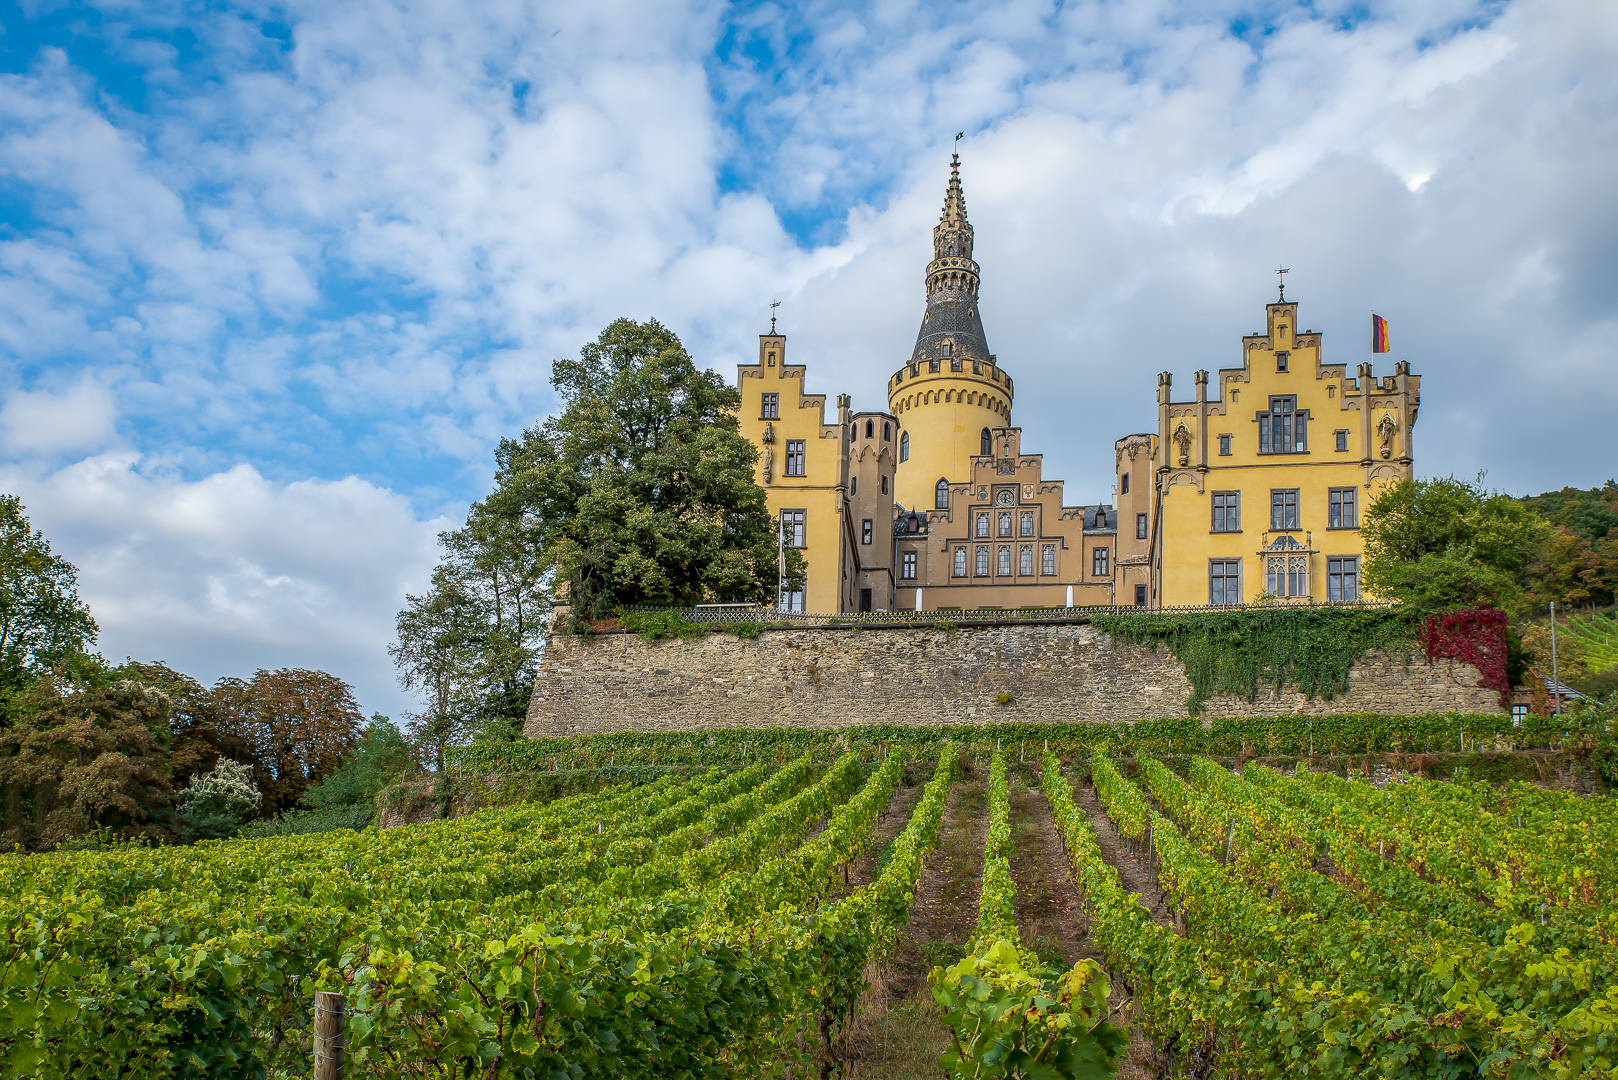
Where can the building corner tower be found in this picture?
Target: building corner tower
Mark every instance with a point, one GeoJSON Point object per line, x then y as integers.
{"type": "Point", "coordinates": [951, 396]}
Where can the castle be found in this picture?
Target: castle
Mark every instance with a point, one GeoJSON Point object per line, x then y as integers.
{"type": "Point", "coordinates": [934, 504]}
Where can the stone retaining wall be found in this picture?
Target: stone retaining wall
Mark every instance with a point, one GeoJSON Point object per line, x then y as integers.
{"type": "Point", "coordinates": [831, 677]}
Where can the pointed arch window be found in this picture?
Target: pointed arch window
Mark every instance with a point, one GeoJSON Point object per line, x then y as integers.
{"type": "Point", "coordinates": [941, 495]}
{"type": "Point", "coordinates": [985, 444]}
{"type": "Point", "coordinates": [904, 446]}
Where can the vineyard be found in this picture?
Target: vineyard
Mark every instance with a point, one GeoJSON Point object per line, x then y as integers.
{"type": "Point", "coordinates": [759, 920]}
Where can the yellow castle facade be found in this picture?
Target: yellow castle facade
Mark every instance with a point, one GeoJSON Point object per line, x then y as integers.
{"type": "Point", "coordinates": [1252, 491]}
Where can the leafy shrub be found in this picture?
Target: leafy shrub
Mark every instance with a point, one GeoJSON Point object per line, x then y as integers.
{"type": "Point", "coordinates": [300, 822]}
{"type": "Point", "coordinates": [652, 625]}
{"type": "Point", "coordinates": [747, 629]}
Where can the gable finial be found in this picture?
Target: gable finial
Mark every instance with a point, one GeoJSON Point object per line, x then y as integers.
{"type": "Point", "coordinates": [773, 305]}
{"type": "Point", "coordinates": [1279, 272]}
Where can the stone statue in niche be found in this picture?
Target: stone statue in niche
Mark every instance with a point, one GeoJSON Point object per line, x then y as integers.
{"type": "Point", "coordinates": [1182, 439]}
{"type": "Point", "coordinates": [1385, 429]}
{"type": "Point", "coordinates": [769, 451]}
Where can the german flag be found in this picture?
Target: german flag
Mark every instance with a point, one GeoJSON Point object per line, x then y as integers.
{"type": "Point", "coordinates": [1379, 334]}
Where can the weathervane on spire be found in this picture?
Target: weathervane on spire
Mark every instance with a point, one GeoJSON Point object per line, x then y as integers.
{"type": "Point", "coordinates": [1279, 272]}
{"type": "Point", "coordinates": [773, 305]}
{"type": "Point", "coordinates": [959, 135]}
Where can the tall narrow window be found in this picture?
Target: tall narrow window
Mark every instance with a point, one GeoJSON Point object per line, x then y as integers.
{"type": "Point", "coordinates": [1005, 523]}
{"type": "Point", "coordinates": [1025, 560]}
{"type": "Point", "coordinates": [1098, 562]}
{"type": "Point", "coordinates": [1004, 560]}
{"type": "Point", "coordinates": [1227, 511]}
{"type": "Point", "coordinates": [1284, 509]}
{"type": "Point", "coordinates": [1101, 519]}
{"type": "Point", "coordinates": [983, 525]}
{"type": "Point", "coordinates": [887, 431]}
{"type": "Point", "coordinates": [1123, 484]}
{"type": "Point", "coordinates": [770, 407]}
{"type": "Point", "coordinates": [904, 446]}
{"type": "Point", "coordinates": [983, 561]}
{"type": "Point", "coordinates": [1343, 579]}
{"type": "Point", "coordinates": [941, 496]}
{"type": "Point", "coordinates": [1343, 509]}
{"type": "Point", "coordinates": [985, 444]}
{"type": "Point", "coordinates": [960, 562]}
{"type": "Point", "coordinates": [1140, 526]}
{"type": "Point", "coordinates": [946, 348]}
{"type": "Point", "coordinates": [1284, 428]}
{"type": "Point", "coordinates": [870, 426]}
{"type": "Point", "coordinates": [1027, 528]}
{"type": "Point", "coordinates": [1140, 596]}
{"type": "Point", "coordinates": [1224, 581]}
{"type": "Point", "coordinates": [884, 485]}
{"type": "Point", "coordinates": [794, 458]}
{"type": "Point", "coordinates": [1342, 441]}
{"type": "Point", "coordinates": [1047, 559]}
{"type": "Point", "coordinates": [792, 527]}
{"type": "Point", "coordinates": [865, 531]}
{"type": "Point", "coordinates": [1224, 446]}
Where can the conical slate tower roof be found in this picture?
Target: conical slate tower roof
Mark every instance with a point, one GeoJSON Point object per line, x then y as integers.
{"type": "Point", "coordinates": [951, 327]}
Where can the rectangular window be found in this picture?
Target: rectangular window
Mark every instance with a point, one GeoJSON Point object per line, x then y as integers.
{"type": "Point", "coordinates": [1224, 581]}
{"type": "Point", "coordinates": [1224, 446]}
{"type": "Point", "coordinates": [792, 599]}
{"type": "Point", "coordinates": [932, 366]}
{"type": "Point", "coordinates": [1343, 579]}
{"type": "Point", "coordinates": [1519, 713]}
{"type": "Point", "coordinates": [983, 561]}
{"type": "Point", "coordinates": [884, 485]}
{"type": "Point", "coordinates": [1025, 560]}
{"type": "Point", "coordinates": [1027, 523]}
{"type": "Point", "coordinates": [1284, 429]}
{"type": "Point", "coordinates": [1005, 523]}
{"type": "Point", "coordinates": [1047, 559]}
{"type": "Point", "coordinates": [865, 531]}
{"type": "Point", "coordinates": [907, 569]}
{"type": "Point", "coordinates": [1342, 441]}
{"type": "Point", "coordinates": [983, 524]}
{"type": "Point", "coordinates": [1343, 511]}
{"type": "Point", "coordinates": [1281, 359]}
{"type": "Point", "coordinates": [1003, 561]}
{"type": "Point", "coordinates": [1227, 511]}
{"type": "Point", "coordinates": [770, 407]}
{"type": "Point", "coordinates": [1140, 526]}
{"type": "Point", "coordinates": [1140, 596]}
{"type": "Point", "coordinates": [792, 527]}
{"type": "Point", "coordinates": [794, 458]}
{"type": "Point", "coordinates": [960, 562]}
{"type": "Point", "coordinates": [1284, 508]}
{"type": "Point", "coordinates": [1098, 562]}
{"type": "Point", "coordinates": [1123, 488]}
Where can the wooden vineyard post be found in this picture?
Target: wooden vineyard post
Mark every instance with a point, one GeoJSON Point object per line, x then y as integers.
{"type": "Point", "coordinates": [329, 1040]}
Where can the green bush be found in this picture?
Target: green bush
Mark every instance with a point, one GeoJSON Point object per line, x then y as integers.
{"type": "Point", "coordinates": [299, 822]}
{"type": "Point", "coordinates": [652, 625]}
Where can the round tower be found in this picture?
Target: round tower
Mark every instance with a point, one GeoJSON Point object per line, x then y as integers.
{"type": "Point", "coordinates": [951, 393]}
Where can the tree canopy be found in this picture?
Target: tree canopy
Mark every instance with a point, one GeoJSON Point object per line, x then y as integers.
{"type": "Point", "coordinates": [1443, 544]}
{"type": "Point", "coordinates": [43, 623]}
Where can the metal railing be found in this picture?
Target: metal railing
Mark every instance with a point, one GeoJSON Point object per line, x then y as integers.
{"type": "Point", "coordinates": [764, 614]}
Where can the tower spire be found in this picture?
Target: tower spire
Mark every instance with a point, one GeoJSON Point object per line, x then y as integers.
{"type": "Point", "coordinates": [951, 327]}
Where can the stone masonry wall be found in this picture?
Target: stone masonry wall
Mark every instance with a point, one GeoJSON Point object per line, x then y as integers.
{"type": "Point", "coordinates": [825, 677]}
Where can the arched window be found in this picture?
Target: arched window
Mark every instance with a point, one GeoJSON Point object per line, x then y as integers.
{"type": "Point", "coordinates": [904, 446]}
{"type": "Point", "coordinates": [868, 428]}
{"type": "Point", "coordinates": [941, 495]}
{"type": "Point", "coordinates": [986, 444]}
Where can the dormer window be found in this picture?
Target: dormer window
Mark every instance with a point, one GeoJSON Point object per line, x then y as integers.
{"type": "Point", "coordinates": [946, 347]}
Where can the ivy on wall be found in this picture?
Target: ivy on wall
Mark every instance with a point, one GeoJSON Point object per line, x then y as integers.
{"type": "Point", "coordinates": [1476, 636]}
{"type": "Point", "coordinates": [1236, 652]}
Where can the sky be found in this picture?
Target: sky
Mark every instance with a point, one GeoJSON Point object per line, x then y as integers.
{"type": "Point", "coordinates": [276, 278]}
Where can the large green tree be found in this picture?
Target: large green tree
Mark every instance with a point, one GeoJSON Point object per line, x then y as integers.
{"type": "Point", "coordinates": [43, 623]}
{"type": "Point", "coordinates": [1443, 544]}
{"type": "Point", "coordinates": [641, 490]}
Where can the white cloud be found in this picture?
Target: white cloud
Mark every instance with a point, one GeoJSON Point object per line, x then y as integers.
{"type": "Point", "coordinates": [80, 417]}
{"type": "Point", "coordinates": [232, 572]}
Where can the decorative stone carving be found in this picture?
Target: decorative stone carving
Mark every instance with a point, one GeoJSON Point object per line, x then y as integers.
{"type": "Point", "coordinates": [1385, 430]}
{"type": "Point", "coordinates": [768, 439]}
{"type": "Point", "coordinates": [1182, 439]}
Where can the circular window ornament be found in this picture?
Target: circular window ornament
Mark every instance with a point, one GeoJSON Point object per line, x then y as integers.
{"type": "Point", "coordinates": [1004, 498]}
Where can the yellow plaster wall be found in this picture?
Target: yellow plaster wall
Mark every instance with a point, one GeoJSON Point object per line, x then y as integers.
{"type": "Point", "coordinates": [820, 492]}
{"type": "Point", "coordinates": [1334, 402]}
{"type": "Point", "coordinates": [945, 414]}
